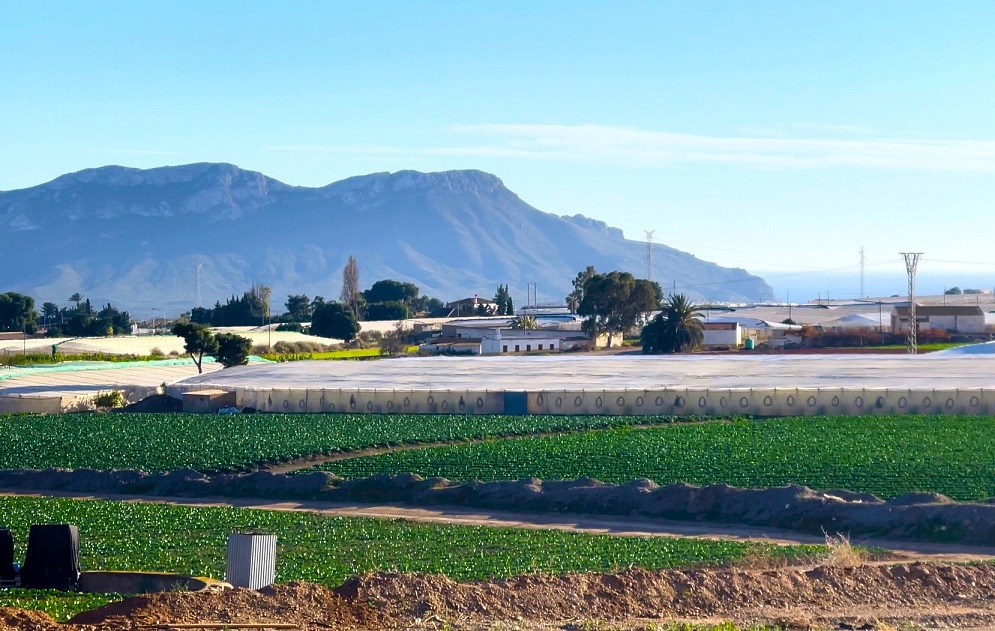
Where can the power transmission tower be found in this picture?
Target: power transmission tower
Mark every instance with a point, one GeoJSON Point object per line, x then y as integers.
{"type": "Point", "coordinates": [911, 263]}
{"type": "Point", "coordinates": [199, 265]}
{"type": "Point", "coordinates": [649, 254]}
{"type": "Point", "coordinates": [862, 294]}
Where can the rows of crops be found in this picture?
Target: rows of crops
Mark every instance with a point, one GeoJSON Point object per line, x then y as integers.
{"type": "Point", "coordinates": [311, 547]}
{"type": "Point", "coordinates": [231, 442]}
{"type": "Point", "coordinates": [887, 456]}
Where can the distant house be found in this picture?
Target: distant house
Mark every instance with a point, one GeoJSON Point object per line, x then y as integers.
{"type": "Point", "coordinates": [952, 318]}
{"type": "Point", "coordinates": [870, 320]}
{"type": "Point", "coordinates": [472, 306]}
{"type": "Point", "coordinates": [762, 332]}
{"type": "Point", "coordinates": [449, 346]}
{"type": "Point", "coordinates": [494, 336]}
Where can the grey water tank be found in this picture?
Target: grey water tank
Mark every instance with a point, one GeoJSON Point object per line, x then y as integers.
{"type": "Point", "coordinates": [251, 560]}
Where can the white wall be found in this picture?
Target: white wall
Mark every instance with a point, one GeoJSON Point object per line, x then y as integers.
{"type": "Point", "coordinates": [525, 343]}
{"type": "Point", "coordinates": [959, 324]}
{"type": "Point", "coordinates": [713, 337]}
{"type": "Point", "coordinates": [954, 324]}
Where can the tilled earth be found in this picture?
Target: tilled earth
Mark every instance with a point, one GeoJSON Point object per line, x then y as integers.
{"type": "Point", "coordinates": [866, 596]}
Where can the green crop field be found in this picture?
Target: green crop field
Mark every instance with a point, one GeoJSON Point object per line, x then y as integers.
{"type": "Point", "coordinates": [157, 442]}
{"type": "Point", "coordinates": [887, 456]}
{"type": "Point", "coordinates": [59, 605]}
{"type": "Point", "coordinates": [311, 547]}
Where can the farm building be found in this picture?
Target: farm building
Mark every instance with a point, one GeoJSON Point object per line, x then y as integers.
{"type": "Point", "coordinates": [721, 334]}
{"type": "Point", "coordinates": [472, 306]}
{"type": "Point", "coordinates": [494, 336]}
{"type": "Point", "coordinates": [870, 320]}
{"type": "Point", "coordinates": [449, 346]}
{"type": "Point", "coordinates": [762, 332]}
{"type": "Point", "coordinates": [952, 318]}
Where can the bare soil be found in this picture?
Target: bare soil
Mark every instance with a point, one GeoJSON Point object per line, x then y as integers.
{"type": "Point", "coordinates": [871, 597]}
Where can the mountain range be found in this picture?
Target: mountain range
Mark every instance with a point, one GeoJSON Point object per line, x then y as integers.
{"type": "Point", "coordinates": [147, 239]}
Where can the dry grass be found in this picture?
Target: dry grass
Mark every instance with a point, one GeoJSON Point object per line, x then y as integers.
{"type": "Point", "coordinates": [841, 552]}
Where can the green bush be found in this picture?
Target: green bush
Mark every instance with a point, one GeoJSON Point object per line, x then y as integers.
{"type": "Point", "coordinates": [112, 399]}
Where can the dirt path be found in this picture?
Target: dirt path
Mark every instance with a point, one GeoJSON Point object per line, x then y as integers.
{"type": "Point", "coordinates": [307, 462]}
{"type": "Point", "coordinates": [619, 527]}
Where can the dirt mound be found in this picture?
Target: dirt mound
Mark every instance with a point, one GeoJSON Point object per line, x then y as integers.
{"type": "Point", "coordinates": [11, 618]}
{"type": "Point", "coordinates": [916, 516]}
{"type": "Point", "coordinates": [299, 603]}
{"type": "Point", "coordinates": [944, 595]}
{"type": "Point", "coordinates": [727, 593]}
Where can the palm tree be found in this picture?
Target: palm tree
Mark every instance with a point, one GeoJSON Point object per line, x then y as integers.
{"type": "Point", "coordinates": [572, 303]}
{"type": "Point", "coordinates": [77, 298]}
{"type": "Point", "coordinates": [525, 323]}
{"type": "Point", "coordinates": [676, 329]}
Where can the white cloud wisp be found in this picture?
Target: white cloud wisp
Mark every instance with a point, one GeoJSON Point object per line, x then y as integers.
{"type": "Point", "coordinates": [596, 143]}
{"type": "Point", "coordinates": [599, 144]}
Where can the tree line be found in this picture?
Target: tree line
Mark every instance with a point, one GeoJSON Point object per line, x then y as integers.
{"type": "Point", "coordinates": [612, 303]}
{"type": "Point", "coordinates": [18, 313]}
{"type": "Point", "coordinates": [616, 302]}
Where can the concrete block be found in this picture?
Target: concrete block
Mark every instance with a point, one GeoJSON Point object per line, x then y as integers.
{"type": "Point", "coordinates": [485, 402]}
{"type": "Point", "coordinates": [205, 401]}
{"type": "Point", "coordinates": [314, 401]}
{"type": "Point", "coordinates": [247, 398]}
{"type": "Point", "coordinates": [951, 401]}
{"type": "Point", "coordinates": [34, 405]}
{"type": "Point", "coordinates": [298, 400]}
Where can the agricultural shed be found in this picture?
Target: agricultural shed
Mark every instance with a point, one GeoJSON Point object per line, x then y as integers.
{"type": "Point", "coordinates": [721, 334]}
{"type": "Point", "coordinates": [952, 318]}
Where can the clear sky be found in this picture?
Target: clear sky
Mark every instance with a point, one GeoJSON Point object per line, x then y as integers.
{"type": "Point", "coordinates": [779, 136]}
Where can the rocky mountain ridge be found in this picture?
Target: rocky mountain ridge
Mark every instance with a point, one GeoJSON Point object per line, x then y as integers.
{"type": "Point", "coordinates": [136, 238]}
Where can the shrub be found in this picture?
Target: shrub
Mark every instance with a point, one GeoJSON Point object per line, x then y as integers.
{"type": "Point", "coordinates": [112, 399]}
{"type": "Point", "coordinates": [335, 321]}
{"type": "Point", "coordinates": [233, 350]}
{"type": "Point", "coordinates": [156, 352]}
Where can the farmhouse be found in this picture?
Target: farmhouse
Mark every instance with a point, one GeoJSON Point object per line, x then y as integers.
{"type": "Point", "coordinates": [762, 332]}
{"type": "Point", "coordinates": [495, 336]}
{"type": "Point", "coordinates": [952, 318]}
{"type": "Point", "coordinates": [472, 306]}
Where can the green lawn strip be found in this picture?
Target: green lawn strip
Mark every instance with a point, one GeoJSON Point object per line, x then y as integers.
{"type": "Point", "coordinates": [886, 456]}
{"type": "Point", "coordinates": [216, 442]}
{"type": "Point", "coordinates": [326, 550]}
{"type": "Point", "coordinates": [933, 346]}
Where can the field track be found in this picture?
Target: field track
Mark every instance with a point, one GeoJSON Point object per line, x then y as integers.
{"type": "Point", "coordinates": [905, 551]}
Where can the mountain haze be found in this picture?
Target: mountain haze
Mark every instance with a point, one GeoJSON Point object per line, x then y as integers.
{"type": "Point", "coordinates": [135, 238]}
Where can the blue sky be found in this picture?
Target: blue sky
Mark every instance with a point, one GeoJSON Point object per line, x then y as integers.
{"type": "Point", "coordinates": [776, 136]}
